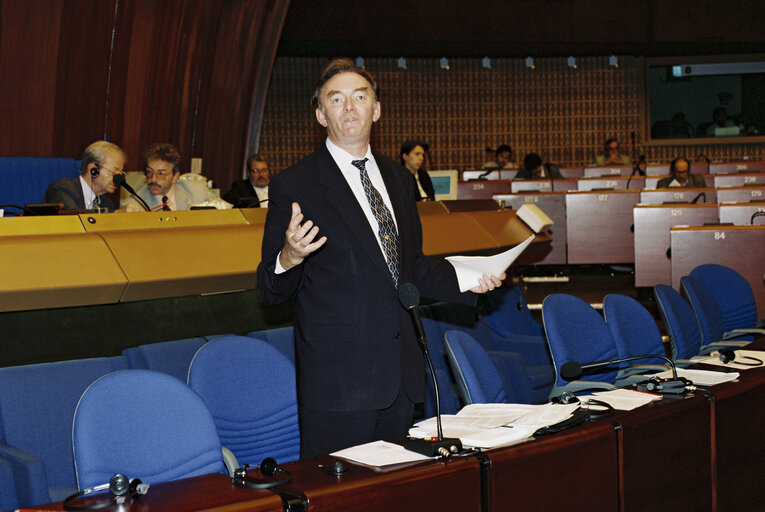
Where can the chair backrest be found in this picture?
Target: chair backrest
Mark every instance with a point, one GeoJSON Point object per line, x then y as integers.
{"type": "Point", "coordinates": [633, 328]}
{"type": "Point", "coordinates": [8, 500]}
{"type": "Point", "coordinates": [732, 292]}
{"type": "Point", "coordinates": [477, 378]}
{"type": "Point", "coordinates": [37, 404]}
{"type": "Point", "coordinates": [281, 338]}
{"type": "Point", "coordinates": [576, 332]}
{"type": "Point", "coordinates": [508, 313]}
{"type": "Point", "coordinates": [251, 390]}
{"type": "Point", "coordinates": [146, 425]}
{"type": "Point", "coordinates": [447, 385]}
{"type": "Point", "coordinates": [170, 357]}
{"type": "Point", "coordinates": [708, 314]}
{"type": "Point", "coordinates": [679, 321]}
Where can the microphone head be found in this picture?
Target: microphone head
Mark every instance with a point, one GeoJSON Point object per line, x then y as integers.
{"type": "Point", "coordinates": [408, 295]}
{"type": "Point", "coordinates": [570, 370]}
{"type": "Point", "coordinates": [727, 355]}
{"type": "Point", "coordinates": [118, 179]}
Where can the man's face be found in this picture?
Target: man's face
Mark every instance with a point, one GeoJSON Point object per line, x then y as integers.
{"type": "Point", "coordinates": [503, 158]}
{"type": "Point", "coordinates": [414, 159]}
{"type": "Point", "coordinates": [160, 176]}
{"type": "Point", "coordinates": [104, 182]}
{"type": "Point", "coordinates": [681, 171]}
{"type": "Point", "coordinates": [613, 148]}
{"type": "Point", "coordinates": [259, 174]}
{"type": "Point", "coordinates": [348, 109]}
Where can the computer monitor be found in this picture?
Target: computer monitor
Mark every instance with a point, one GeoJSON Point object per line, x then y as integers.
{"type": "Point", "coordinates": [444, 184]}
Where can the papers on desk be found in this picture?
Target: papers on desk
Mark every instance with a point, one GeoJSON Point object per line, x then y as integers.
{"type": "Point", "coordinates": [379, 454]}
{"type": "Point", "coordinates": [701, 377]}
{"type": "Point", "coordinates": [470, 268]}
{"type": "Point", "coordinates": [740, 355]}
{"type": "Point", "coordinates": [493, 425]}
{"type": "Point", "coordinates": [623, 399]}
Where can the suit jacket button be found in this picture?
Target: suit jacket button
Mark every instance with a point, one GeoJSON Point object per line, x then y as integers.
{"type": "Point", "coordinates": [397, 335]}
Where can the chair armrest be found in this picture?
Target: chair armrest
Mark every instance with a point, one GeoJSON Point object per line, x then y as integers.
{"type": "Point", "coordinates": [29, 475]}
{"type": "Point", "coordinates": [736, 333]}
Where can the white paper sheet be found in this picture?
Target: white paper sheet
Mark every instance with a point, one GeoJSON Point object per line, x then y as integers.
{"type": "Point", "coordinates": [470, 268]}
{"type": "Point", "coordinates": [623, 399]}
{"type": "Point", "coordinates": [740, 354]}
{"type": "Point", "coordinates": [701, 377]}
{"type": "Point", "coordinates": [379, 454]}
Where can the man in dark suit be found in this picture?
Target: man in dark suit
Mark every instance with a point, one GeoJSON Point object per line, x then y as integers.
{"type": "Point", "coordinates": [680, 170]}
{"type": "Point", "coordinates": [342, 233]}
{"type": "Point", "coordinates": [533, 169]}
{"type": "Point", "coordinates": [413, 159]}
{"type": "Point", "coordinates": [251, 192]}
{"type": "Point", "coordinates": [100, 162]}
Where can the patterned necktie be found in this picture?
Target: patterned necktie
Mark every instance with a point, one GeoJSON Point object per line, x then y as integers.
{"type": "Point", "coordinates": [386, 227]}
{"type": "Point", "coordinates": [165, 206]}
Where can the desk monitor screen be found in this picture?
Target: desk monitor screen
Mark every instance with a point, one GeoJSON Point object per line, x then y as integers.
{"type": "Point", "coordinates": [444, 184]}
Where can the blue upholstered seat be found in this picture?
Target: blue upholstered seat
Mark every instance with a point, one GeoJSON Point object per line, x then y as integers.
{"type": "Point", "coordinates": [170, 357]}
{"type": "Point", "coordinates": [477, 377]}
{"type": "Point", "coordinates": [733, 294]}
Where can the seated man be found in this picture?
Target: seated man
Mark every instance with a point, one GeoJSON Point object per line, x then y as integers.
{"type": "Point", "coordinates": [679, 168]}
{"type": "Point", "coordinates": [251, 192]}
{"type": "Point", "coordinates": [89, 192]}
{"type": "Point", "coordinates": [162, 168]}
{"type": "Point", "coordinates": [533, 168]}
{"type": "Point", "coordinates": [413, 159]}
{"type": "Point", "coordinates": [612, 155]}
{"type": "Point", "coordinates": [503, 158]}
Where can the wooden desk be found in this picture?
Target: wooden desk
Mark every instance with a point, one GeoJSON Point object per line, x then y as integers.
{"type": "Point", "coordinates": [740, 214]}
{"type": "Point", "coordinates": [741, 194]}
{"type": "Point", "coordinates": [543, 185]}
{"type": "Point", "coordinates": [482, 189]}
{"type": "Point", "coordinates": [684, 195]}
{"type": "Point", "coordinates": [571, 470]}
{"type": "Point", "coordinates": [595, 172]}
{"type": "Point", "coordinates": [734, 167]}
{"type": "Point", "coordinates": [611, 183]}
{"type": "Point", "coordinates": [599, 228]}
{"type": "Point", "coordinates": [652, 181]}
{"type": "Point", "coordinates": [738, 247]}
{"type": "Point", "coordinates": [554, 205]}
{"type": "Point", "coordinates": [739, 180]}
{"type": "Point", "coordinates": [652, 241]}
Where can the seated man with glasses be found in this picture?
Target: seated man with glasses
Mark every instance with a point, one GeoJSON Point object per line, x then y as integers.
{"type": "Point", "coordinates": [90, 191]}
{"type": "Point", "coordinates": [612, 155]}
{"type": "Point", "coordinates": [163, 191]}
{"type": "Point", "coordinates": [251, 192]}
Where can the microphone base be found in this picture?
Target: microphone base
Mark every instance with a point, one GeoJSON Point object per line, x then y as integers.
{"type": "Point", "coordinates": [434, 447]}
{"type": "Point", "coordinates": [664, 386]}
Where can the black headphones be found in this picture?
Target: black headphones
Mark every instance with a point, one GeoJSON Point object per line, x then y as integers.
{"type": "Point", "coordinates": [664, 386]}
{"type": "Point", "coordinates": [118, 486]}
{"type": "Point", "coordinates": [729, 356]}
{"type": "Point", "coordinates": [268, 468]}
{"type": "Point", "coordinates": [95, 171]}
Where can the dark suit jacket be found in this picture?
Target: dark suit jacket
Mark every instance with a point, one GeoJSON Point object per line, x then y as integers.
{"type": "Point", "coordinates": [550, 169]}
{"type": "Point", "coordinates": [69, 192]}
{"type": "Point", "coordinates": [241, 189]}
{"type": "Point", "coordinates": [353, 339]}
{"type": "Point", "coordinates": [693, 181]}
{"type": "Point", "coordinates": [427, 186]}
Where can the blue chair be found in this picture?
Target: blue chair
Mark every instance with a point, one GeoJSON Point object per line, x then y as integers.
{"type": "Point", "coordinates": [37, 403]}
{"type": "Point", "coordinates": [507, 313]}
{"type": "Point", "coordinates": [251, 391]}
{"type": "Point", "coordinates": [447, 384]}
{"type": "Point", "coordinates": [281, 338]}
{"type": "Point", "coordinates": [146, 425]}
{"type": "Point", "coordinates": [576, 332]}
{"type": "Point", "coordinates": [709, 315]}
{"type": "Point", "coordinates": [8, 499]}
{"type": "Point", "coordinates": [733, 295]}
{"type": "Point", "coordinates": [478, 380]}
{"type": "Point", "coordinates": [170, 357]}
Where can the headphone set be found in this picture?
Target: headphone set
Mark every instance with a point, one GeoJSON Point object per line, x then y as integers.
{"type": "Point", "coordinates": [268, 468]}
{"type": "Point", "coordinates": [95, 171]}
{"type": "Point", "coordinates": [119, 487]}
{"type": "Point", "coordinates": [664, 386]}
{"type": "Point", "coordinates": [729, 356]}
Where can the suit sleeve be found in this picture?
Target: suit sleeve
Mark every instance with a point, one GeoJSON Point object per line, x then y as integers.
{"type": "Point", "coordinates": [59, 193]}
{"type": "Point", "coordinates": [276, 288]}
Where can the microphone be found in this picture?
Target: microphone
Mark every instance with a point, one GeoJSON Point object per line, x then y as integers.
{"type": "Point", "coordinates": [119, 180]}
{"type": "Point", "coordinates": [699, 196]}
{"type": "Point", "coordinates": [729, 356]}
{"type": "Point", "coordinates": [572, 370]}
{"type": "Point", "coordinates": [409, 297]}
{"type": "Point", "coordinates": [483, 175]}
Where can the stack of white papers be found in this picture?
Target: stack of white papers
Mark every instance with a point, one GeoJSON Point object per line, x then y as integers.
{"type": "Point", "coordinates": [623, 399]}
{"type": "Point", "coordinates": [740, 355]}
{"type": "Point", "coordinates": [379, 454]}
{"type": "Point", "coordinates": [701, 377]}
{"type": "Point", "coordinates": [470, 268]}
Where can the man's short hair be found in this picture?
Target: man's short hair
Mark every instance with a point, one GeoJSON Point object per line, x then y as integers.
{"type": "Point", "coordinates": [502, 148]}
{"type": "Point", "coordinates": [96, 154]}
{"type": "Point", "coordinates": [673, 164]}
{"type": "Point", "coordinates": [255, 158]}
{"type": "Point", "coordinates": [610, 141]}
{"type": "Point", "coordinates": [335, 67]}
{"type": "Point", "coordinates": [408, 145]}
{"type": "Point", "coordinates": [163, 151]}
{"type": "Point", "coordinates": [532, 161]}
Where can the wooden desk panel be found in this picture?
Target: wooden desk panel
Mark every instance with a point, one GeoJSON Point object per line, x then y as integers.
{"type": "Point", "coordinates": [489, 174]}
{"type": "Point", "coordinates": [734, 167]}
{"type": "Point", "coordinates": [611, 183]}
{"type": "Point", "coordinates": [683, 195]}
{"type": "Point", "coordinates": [741, 194]}
{"type": "Point", "coordinates": [657, 169]}
{"type": "Point", "coordinates": [652, 241]}
{"type": "Point", "coordinates": [571, 470]}
{"type": "Point", "coordinates": [738, 247]}
{"type": "Point", "coordinates": [594, 172]}
{"type": "Point", "coordinates": [482, 189]}
{"type": "Point", "coordinates": [666, 461]}
{"type": "Point", "coordinates": [739, 180]}
{"type": "Point", "coordinates": [554, 205]}
{"type": "Point", "coordinates": [599, 228]}
{"type": "Point", "coordinates": [544, 185]}
{"type": "Point", "coordinates": [571, 172]}
{"type": "Point", "coordinates": [740, 214]}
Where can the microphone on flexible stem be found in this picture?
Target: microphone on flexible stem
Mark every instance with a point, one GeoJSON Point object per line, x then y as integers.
{"type": "Point", "coordinates": [119, 180]}
{"type": "Point", "coordinates": [409, 297]}
{"type": "Point", "coordinates": [483, 175]}
{"type": "Point", "coordinates": [572, 370]}
{"type": "Point", "coordinates": [699, 196]}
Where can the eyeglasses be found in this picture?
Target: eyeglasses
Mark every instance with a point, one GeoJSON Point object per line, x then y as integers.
{"type": "Point", "coordinates": [162, 173]}
{"type": "Point", "coordinates": [260, 170]}
{"type": "Point", "coordinates": [613, 148]}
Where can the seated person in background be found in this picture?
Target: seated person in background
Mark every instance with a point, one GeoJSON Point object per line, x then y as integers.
{"type": "Point", "coordinates": [413, 157]}
{"type": "Point", "coordinates": [163, 191]}
{"type": "Point", "coordinates": [503, 158]}
{"type": "Point", "coordinates": [680, 168]}
{"type": "Point", "coordinates": [720, 120]}
{"type": "Point", "coordinates": [100, 162]}
{"type": "Point", "coordinates": [252, 191]}
{"type": "Point", "coordinates": [533, 168]}
{"type": "Point", "coordinates": [612, 155]}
